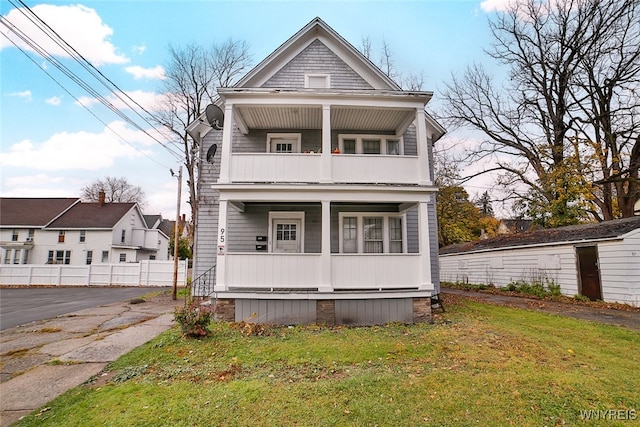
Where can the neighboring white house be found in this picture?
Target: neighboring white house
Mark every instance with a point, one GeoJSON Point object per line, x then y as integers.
{"type": "Point", "coordinates": [68, 231]}
{"type": "Point", "coordinates": [600, 261]}
{"type": "Point", "coordinates": [319, 203]}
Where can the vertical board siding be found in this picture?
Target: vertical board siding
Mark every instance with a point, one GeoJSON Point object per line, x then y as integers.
{"type": "Point", "coordinates": [369, 271]}
{"type": "Point", "coordinates": [433, 242]}
{"type": "Point", "coordinates": [277, 312]}
{"type": "Point", "coordinates": [317, 59]}
{"type": "Point", "coordinates": [273, 271]}
{"type": "Point", "coordinates": [374, 311]}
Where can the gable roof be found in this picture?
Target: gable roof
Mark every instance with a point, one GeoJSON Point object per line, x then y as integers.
{"type": "Point", "coordinates": [32, 212]}
{"type": "Point", "coordinates": [92, 215]}
{"type": "Point", "coordinates": [317, 29]}
{"type": "Point", "coordinates": [574, 233]}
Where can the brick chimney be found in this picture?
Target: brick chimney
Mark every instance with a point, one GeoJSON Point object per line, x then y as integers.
{"type": "Point", "coordinates": [101, 198]}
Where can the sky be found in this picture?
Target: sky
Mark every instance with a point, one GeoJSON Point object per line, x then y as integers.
{"type": "Point", "coordinates": [55, 138]}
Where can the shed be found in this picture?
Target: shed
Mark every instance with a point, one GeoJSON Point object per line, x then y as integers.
{"type": "Point", "coordinates": [600, 261]}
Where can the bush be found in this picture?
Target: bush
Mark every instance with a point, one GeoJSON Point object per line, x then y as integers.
{"type": "Point", "coordinates": [193, 318]}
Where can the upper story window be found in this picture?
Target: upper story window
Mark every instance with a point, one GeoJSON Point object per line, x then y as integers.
{"type": "Point", "coordinates": [123, 236]}
{"type": "Point", "coordinates": [317, 81]}
{"type": "Point", "coordinates": [83, 236]}
{"type": "Point", "coordinates": [61, 236]}
{"type": "Point", "coordinates": [283, 142]}
{"type": "Point", "coordinates": [14, 236]}
{"type": "Point", "coordinates": [371, 144]}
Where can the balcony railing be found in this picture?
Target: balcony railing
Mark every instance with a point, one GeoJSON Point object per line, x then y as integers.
{"type": "Point", "coordinates": [351, 168]}
{"type": "Point", "coordinates": [300, 272]}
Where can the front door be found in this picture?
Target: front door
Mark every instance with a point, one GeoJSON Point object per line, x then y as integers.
{"type": "Point", "coordinates": [287, 237]}
{"type": "Point", "coordinates": [588, 272]}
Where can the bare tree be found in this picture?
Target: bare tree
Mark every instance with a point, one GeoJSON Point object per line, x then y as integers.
{"type": "Point", "coordinates": [117, 190]}
{"type": "Point", "coordinates": [193, 75]}
{"type": "Point", "coordinates": [537, 124]}
{"type": "Point", "coordinates": [365, 48]}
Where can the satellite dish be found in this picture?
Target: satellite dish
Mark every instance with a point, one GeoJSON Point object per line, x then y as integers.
{"type": "Point", "coordinates": [211, 152]}
{"type": "Point", "coordinates": [215, 116]}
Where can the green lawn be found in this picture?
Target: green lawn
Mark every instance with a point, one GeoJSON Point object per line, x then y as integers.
{"type": "Point", "coordinates": [476, 365]}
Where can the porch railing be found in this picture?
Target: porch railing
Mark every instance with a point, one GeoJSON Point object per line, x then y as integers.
{"type": "Point", "coordinates": [202, 286]}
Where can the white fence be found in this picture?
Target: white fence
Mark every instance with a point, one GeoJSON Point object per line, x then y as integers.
{"type": "Point", "coordinates": [143, 273]}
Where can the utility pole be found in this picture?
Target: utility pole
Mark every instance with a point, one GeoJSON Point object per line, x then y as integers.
{"type": "Point", "coordinates": [176, 238]}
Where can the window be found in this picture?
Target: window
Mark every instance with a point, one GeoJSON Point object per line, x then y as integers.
{"type": "Point", "coordinates": [395, 235]}
{"type": "Point", "coordinates": [61, 236]}
{"type": "Point", "coordinates": [105, 256]}
{"type": "Point", "coordinates": [30, 236]}
{"type": "Point", "coordinates": [83, 236]}
{"type": "Point", "coordinates": [123, 235]}
{"type": "Point", "coordinates": [283, 142]}
{"type": "Point", "coordinates": [350, 235]}
{"type": "Point", "coordinates": [372, 233]}
{"type": "Point", "coordinates": [123, 257]}
{"type": "Point", "coordinates": [59, 257]}
{"type": "Point", "coordinates": [317, 81]}
{"type": "Point", "coordinates": [89, 257]}
{"type": "Point", "coordinates": [16, 256]}
{"type": "Point", "coordinates": [14, 236]}
{"type": "Point", "coordinates": [371, 144]}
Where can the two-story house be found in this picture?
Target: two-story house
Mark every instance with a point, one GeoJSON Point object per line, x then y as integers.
{"type": "Point", "coordinates": [319, 204]}
{"type": "Point", "coordinates": [68, 231]}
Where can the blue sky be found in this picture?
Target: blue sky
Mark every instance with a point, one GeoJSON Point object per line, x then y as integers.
{"type": "Point", "coordinates": [50, 146]}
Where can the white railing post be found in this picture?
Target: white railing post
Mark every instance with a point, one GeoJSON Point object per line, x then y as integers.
{"type": "Point", "coordinates": [425, 247]}
{"type": "Point", "coordinates": [326, 144]}
{"type": "Point", "coordinates": [227, 136]}
{"type": "Point", "coordinates": [325, 258]}
{"type": "Point", "coordinates": [423, 149]}
{"type": "Point", "coordinates": [221, 280]}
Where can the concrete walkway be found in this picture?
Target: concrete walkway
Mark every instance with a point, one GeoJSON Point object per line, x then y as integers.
{"type": "Point", "coordinates": [41, 360]}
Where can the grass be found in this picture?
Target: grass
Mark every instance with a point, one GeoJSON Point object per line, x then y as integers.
{"type": "Point", "coordinates": [477, 365]}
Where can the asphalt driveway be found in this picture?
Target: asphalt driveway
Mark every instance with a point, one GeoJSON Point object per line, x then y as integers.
{"type": "Point", "coordinates": [23, 305]}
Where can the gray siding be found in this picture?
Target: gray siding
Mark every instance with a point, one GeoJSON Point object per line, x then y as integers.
{"type": "Point", "coordinates": [410, 142]}
{"type": "Point", "coordinates": [374, 311]}
{"type": "Point", "coordinates": [243, 227]}
{"type": "Point", "coordinates": [413, 231]}
{"type": "Point", "coordinates": [206, 234]}
{"type": "Point", "coordinates": [433, 242]}
{"type": "Point", "coordinates": [278, 312]}
{"type": "Point", "coordinates": [317, 59]}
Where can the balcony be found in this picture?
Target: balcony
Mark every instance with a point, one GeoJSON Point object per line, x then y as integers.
{"type": "Point", "coordinates": [248, 272]}
{"type": "Point", "coordinates": [307, 168]}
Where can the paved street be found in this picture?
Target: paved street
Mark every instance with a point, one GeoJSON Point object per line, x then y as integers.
{"type": "Point", "coordinates": [23, 305]}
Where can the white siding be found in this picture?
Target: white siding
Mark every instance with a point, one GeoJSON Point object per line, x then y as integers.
{"type": "Point", "coordinates": [619, 262]}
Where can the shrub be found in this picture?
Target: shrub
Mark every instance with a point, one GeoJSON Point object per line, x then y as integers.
{"type": "Point", "coordinates": [193, 318]}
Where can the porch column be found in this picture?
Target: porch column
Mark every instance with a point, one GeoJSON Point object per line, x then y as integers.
{"type": "Point", "coordinates": [326, 143]}
{"type": "Point", "coordinates": [225, 156]}
{"type": "Point", "coordinates": [423, 149]}
{"type": "Point", "coordinates": [325, 257]}
{"type": "Point", "coordinates": [425, 246]}
{"type": "Point", "coordinates": [221, 249]}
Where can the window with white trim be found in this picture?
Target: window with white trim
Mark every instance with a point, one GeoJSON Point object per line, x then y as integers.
{"type": "Point", "coordinates": [283, 142]}
{"type": "Point", "coordinates": [317, 81]}
{"type": "Point", "coordinates": [123, 257]}
{"type": "Point", "coordinates": [389, 145]}
{"type": "Point", "coordinates": [372, 233]}
{"type": "Point", "coordinates": [83, 236]}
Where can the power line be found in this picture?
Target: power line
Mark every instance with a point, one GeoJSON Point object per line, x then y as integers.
{"type": "Point", "coordinates": [69, 50]}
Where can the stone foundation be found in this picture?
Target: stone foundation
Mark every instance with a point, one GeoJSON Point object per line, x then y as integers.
{"type": "Point", "coordinates": [226, 310]}
{"type": "Point", "coordinates": [326, 312]}
{"type": "Point", "coordinates": [422, 310]}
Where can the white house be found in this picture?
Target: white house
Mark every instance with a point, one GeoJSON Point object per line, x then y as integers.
{"type": "Point", "coordinates": [68, 231]}
{"type": "Point", "coordinates": [600, 261]}
{"type": "Point", "coordinates": [319, 203]}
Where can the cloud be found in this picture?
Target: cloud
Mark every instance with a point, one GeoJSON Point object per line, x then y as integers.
{"type": "Point", "coordinates": [25, 94]}
{"type": "Point", "coordinates": [54, 100]}
{"type": "Point", "coordinates": [75, 151]}
{"type": "Point", "coordinates": [497, 5]}
{"type": "Point", "coordinates": [138, 50]}
{"type": "Point", "coordinates": [151, 101]}
{"type": "Point", "coordinates": [146, 73]}
{"type": "Point", "coordinates": [78, 25]}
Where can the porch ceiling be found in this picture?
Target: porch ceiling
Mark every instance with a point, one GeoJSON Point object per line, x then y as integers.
{"type": "Point", "coordinates": [310, 117]}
